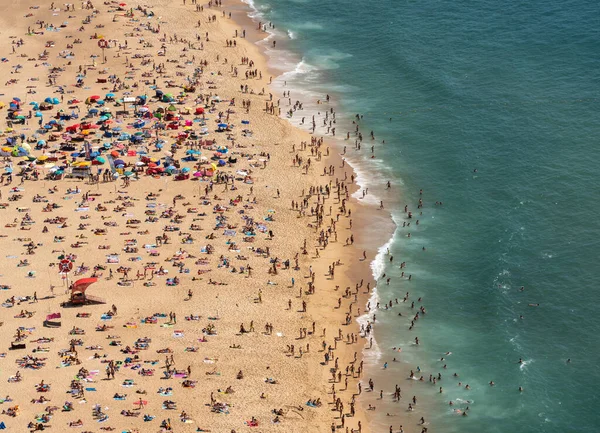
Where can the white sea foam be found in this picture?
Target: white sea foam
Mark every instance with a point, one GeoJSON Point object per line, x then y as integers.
{"type": "Point", "coordinates": [308, 25]}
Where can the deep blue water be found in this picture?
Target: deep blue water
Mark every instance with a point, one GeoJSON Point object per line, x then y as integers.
{"type": "Point", "coordinates": [509, 89]}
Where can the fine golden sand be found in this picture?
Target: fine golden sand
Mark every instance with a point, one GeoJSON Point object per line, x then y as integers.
{"type": "Point", "coordinates": [235, 279]}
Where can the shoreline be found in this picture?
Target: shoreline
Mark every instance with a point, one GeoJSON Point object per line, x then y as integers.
{"type": "Point", "coordinates": [324, 310]}
{"type": "Point", "coordinates": [366, 210]}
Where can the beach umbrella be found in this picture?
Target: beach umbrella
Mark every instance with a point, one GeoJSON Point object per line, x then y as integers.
{"type": "Point", "coordinates": [222, 125]}
{"type": "Point", "coordinates": [100, 160]}
{"type": "Point", "coordinates": [197, 174]}
{"type": "Point", "coordinates": [185, 170]}
{"type": "Point", "coordinates": [119, 162]}
{"type": "Point", "coordinates": [94, 97]}
{"type": "Point", "coordinates": [110, 95]}
{"type": "Point", "coordinates": [193, 152]}
{"type": "Point", "coordinates": [55, 101]}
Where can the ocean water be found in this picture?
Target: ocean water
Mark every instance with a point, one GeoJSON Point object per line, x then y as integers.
{"type": "Point", "coordinates": [491, 108]}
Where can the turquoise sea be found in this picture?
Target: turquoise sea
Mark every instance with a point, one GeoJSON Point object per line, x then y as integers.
{"type": "Point", "coordinates": [495, 112]}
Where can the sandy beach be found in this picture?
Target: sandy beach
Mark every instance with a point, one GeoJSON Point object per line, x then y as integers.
{"type": "Point", "coordinates": [202, 273]}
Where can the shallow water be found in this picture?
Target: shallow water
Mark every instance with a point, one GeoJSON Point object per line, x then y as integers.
{"type": "Point", "coordinates": [508, 89]}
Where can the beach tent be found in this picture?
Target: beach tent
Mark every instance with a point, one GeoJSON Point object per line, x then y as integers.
{"type": "Point", "coordinates": [78, 292]}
